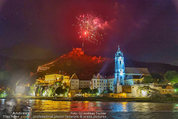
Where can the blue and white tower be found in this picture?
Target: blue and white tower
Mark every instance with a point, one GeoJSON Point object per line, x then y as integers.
{"type": "Point", "coordinates": [119, 70]}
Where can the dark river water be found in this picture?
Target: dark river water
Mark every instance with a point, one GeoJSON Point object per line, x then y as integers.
{"type": "Point", "coordinates": [48, 109]}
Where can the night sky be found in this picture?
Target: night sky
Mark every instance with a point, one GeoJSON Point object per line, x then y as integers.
{"type": "Point", "coordinates": [146, 30]}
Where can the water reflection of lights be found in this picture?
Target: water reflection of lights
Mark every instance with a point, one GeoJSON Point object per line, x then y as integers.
{"type": "Point", "coordinates": [119, 107]}
{"type": "Point", "coordinates": [51, 106]}
{"type": "Point", "coordinates": [124, 105]}
{"type": "Point", "coordinates": [139, 107]}
{"type": "Point", "coordinates": [60, 106]}
{"type": "Point", "coordinates": [84, 106]}
{"type": "Point", "coordinates": [152, 107]}
{"type": "Point", "coordinates": [80, 106]}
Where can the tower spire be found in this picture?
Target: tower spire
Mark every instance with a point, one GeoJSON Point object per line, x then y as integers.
{"type": "Point", "coordinates": [119, 71]}
{"type": "Point", "coordinates": [118, 48]}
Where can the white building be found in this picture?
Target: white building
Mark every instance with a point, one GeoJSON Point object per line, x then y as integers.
{"type": "Point", "coordinates": [111, 83]}
{"type": "Point", "coordinates": [101, 83]}
{"type": "Point", "coordinates": [74, 82]}
{"type": "Point", "coordinates": [84, 84]}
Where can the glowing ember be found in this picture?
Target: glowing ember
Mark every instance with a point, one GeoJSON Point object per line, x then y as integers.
{"type": "Point", "coordinates": [91, 27]}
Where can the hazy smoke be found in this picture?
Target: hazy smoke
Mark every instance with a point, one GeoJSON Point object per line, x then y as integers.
{"type": "Point", "coordinates": [1, 4]}
{"type": "Point", "coordinates": [176, 4]}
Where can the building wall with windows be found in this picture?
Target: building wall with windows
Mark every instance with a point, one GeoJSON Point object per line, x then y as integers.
{"type": "Point", "coordinates": [133, 79]}
{"type": "Point", "coordinates": [111, 83]}
{"type": "Point", "coordinates": [53, 78]}
{"type": "Point", "coordinates": [84, 84]}
{"type": "Point", "coordinates": [74, 82]}
{"type": "Point", "coordinates": [102, 84]}
{"type": "Point", "coordinates": [66, 80]}
{"type": "Point", "coordinates": [135, 75]}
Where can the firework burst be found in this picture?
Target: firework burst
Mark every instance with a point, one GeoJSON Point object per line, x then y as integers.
{"type": "Point", "coordinates": [91, 28]}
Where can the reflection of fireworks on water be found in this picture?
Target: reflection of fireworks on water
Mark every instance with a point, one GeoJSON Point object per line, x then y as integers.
{"type": "Point", "coordinates": [91, 28]}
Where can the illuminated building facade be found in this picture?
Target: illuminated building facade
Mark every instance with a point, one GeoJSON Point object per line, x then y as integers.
{"type": "Point", "coordinates": [84, 84]}
{"type": "Point", "coordinates": [119, 70]}
{"type": "Point", "coordinates": [53, 78]}
{"type": "Point", "coordinates": [101, 83]}
{"type": "Point", "coordinates": [134, 75]}
{"type": "Point", "coordinates": [50, 79]}
{"type": "Point", "coordinates": [74, 82]}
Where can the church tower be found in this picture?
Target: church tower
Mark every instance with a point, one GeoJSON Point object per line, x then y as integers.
{"type": "Point", "coordinates": [119, 71]}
